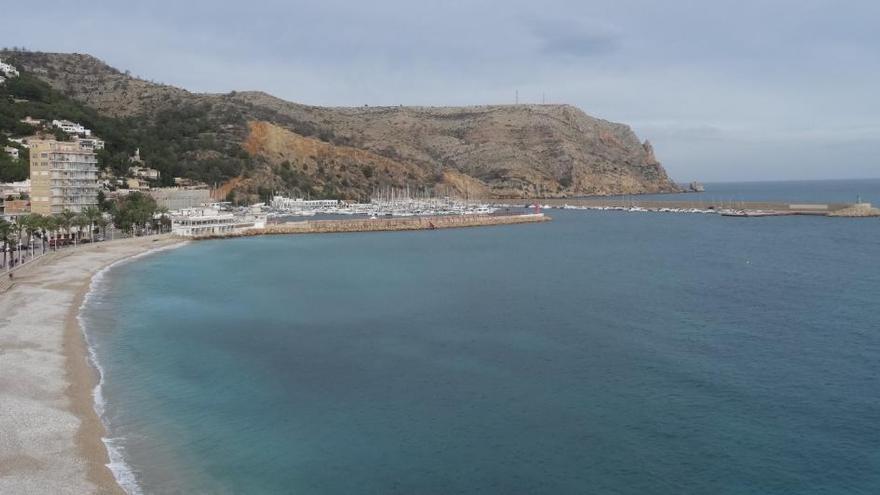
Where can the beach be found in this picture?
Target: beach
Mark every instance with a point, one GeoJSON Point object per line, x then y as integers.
{"type": "Point", "coordinates": [50, 434]}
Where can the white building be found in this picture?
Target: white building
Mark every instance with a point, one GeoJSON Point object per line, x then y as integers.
{"type": "Point", "coordinates": [8, 70]}
{"type": "Point", "coordinates": [31, 121]}
{"type": "Point", "coordinates": [208, 221]}
{"type": "Point", "coordinates": [15, 188]}
{"type": "Point", "coordinates": [13, 152]}
{"type": "Point", "coordinates": [176, 198]}
{"type": "Point", "coordinates": [92, 143]}
{"type": "Point", "coordinates": [22, 141]}
{"type": "Point", "coordinates": [144, 172]}
{"type": "Point", "coordinates": [71, 127]}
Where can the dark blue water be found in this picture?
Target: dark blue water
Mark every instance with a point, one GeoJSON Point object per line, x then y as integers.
{"type": "Point", "coordinates": [808, 191]}
{"type": "Point", "coordinates": [602, 352]}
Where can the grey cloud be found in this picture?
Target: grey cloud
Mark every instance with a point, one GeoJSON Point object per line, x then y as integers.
{"type": "Point", "coordinates": [577, 39]}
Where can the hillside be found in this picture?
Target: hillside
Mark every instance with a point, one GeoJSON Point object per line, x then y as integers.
{"type": "Point", "coordinates": [261, 143]}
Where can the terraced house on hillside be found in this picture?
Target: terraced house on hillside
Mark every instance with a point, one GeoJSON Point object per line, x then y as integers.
{"type": "Point", "coordinates": [64, 175]}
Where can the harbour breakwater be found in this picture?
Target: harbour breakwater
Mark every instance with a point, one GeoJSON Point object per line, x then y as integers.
{"type": "Point", "coordinates": [726, 208]}
{"type": "Point", "coordinates": [384, 224]}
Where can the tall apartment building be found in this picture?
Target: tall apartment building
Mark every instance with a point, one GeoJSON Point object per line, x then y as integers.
{"type": "Point", "coordinates": [64, 175]}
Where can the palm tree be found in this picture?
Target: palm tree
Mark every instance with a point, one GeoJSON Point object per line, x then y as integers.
{"type": "Point", "coordinates": [18, 227]}
{"type": "Point", "coordinates": [5, 232]}
{"type": "Point", "coordinates": [102, 226]}
{"type": "Point", "coordinates": [92, 214]}
{"type": "Point", "coordinates": [81, 222]}
{"type": "Point", "coordinates": [65, 221]}
{"type": "Point", "coordinates": [48, 224]}
{"type": "Point", "coordinates": [162, 211]}
{"type": "Point", "coordinates": [31, 224]}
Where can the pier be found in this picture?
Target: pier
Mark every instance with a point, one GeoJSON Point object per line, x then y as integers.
{"type": "Point", "coordinates": [383, 224]}
{"type": "Point", "coordinates": [731, 208]}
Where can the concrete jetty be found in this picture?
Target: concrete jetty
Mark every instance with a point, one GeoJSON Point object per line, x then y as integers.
{"type": "Point", "coordinates": [750, 208]}
{"type": "Point", "coordinates": [384, 224]}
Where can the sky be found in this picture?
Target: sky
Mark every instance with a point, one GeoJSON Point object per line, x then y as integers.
{"type": "Point", "coordinates": [725, 90]}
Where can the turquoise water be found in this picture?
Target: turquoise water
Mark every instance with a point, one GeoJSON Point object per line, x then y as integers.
{"type": "Point", "coordinates": [603, 352]}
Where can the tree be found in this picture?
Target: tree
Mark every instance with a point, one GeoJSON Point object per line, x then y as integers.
{"type": "Point", "coordinates": [134, 212]}
{"type": "Point", "coordinates": [81, 222]}
{"type": "Point", "coordinates": [65, 222]}
{"type": "Point", "coordinates": [163, 220]}
{"type": "Point", "coordinates": [31, 224]}
{"type": "Point", "coordinates": [102, 226]}
{"type": "Point", "coordinates": [12, 170]}
{"type": "Point", "coordinates": [103, 204]}
{"type": "Point", "coordinates": [5, 233]}
{"type": "Point", "coordinates": [18, 227]}
{"type": "Point", "coordinates": [48, 225]}
{"type": "Point", "coordinates": [91, 214]}
{"type": "Point", "coordinates": [165, 223]}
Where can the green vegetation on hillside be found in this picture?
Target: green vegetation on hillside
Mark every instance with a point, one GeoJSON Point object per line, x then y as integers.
{"type": "Point", "coordinates": [179, 141]}
{"type": "Point", "coordinates": [12, 170]}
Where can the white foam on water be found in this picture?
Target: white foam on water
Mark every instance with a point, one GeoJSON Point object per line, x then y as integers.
{"type": "Point", "coordinates": [122, 471]}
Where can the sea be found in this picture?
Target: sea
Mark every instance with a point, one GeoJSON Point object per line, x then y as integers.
{"type": "Point", "coordinates": [602, 352]}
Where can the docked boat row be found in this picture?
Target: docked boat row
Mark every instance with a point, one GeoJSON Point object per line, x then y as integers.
{"type": "Point", "coordinates": [614, 208]}
{"type": "Point", "coordinates": [378, 207]}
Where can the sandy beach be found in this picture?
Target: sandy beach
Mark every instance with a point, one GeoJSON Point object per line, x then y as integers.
{"type": "Point", "coordinates": [50, 435]}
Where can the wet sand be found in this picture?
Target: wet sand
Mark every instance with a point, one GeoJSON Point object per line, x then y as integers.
{"type": "Point", "coordinates": [50, 435]}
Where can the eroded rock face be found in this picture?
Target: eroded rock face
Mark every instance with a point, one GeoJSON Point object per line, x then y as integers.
{"type": "Point", "coordinates": [498, 151]}
{"type": "Point", "coordinates": [515, 151]}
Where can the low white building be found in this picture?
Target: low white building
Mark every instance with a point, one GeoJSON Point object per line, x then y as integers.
{"type": "Point", "coordinates": [210, 221]}
{"type": "Point", "coordinates": [22, 141]}
{"type": "Point", "coordinates": [13, 152]}
{"type": "Point", "coordinates": [91, 143]}
{"type": "Point", "coordinates": [72, 127]}
{"type": "Point", "coordinates": [15, 188]}
{"type": "Point", "coordinates": [31, 121]}
{"type": "Point", "coordinates": [144, 172]}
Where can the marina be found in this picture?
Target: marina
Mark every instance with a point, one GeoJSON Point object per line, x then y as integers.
{"type": "Point", "coordinates": [404, 212]}
{"type": "Point", "coordinates": [389, 202]}
{"type": "Point", "coordinates": [215, 220]}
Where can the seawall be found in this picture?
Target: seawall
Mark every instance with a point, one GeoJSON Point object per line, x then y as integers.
{"type": "Point", "coordinates": [385, 224]}
{"type": "Point", "coordinates": [775, 208]}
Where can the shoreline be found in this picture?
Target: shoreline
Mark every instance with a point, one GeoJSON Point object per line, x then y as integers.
{"type": "Point", "coordinates": [52, 439]}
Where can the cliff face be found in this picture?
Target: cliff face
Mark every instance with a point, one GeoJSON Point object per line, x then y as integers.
{"type": "Point", "coordinates": [515, 151]}
{"type": "Point", "coordinates": [500, 151]}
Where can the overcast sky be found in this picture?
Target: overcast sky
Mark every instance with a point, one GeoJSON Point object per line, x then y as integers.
{"type": "Point", "coordinates": [726, 90]}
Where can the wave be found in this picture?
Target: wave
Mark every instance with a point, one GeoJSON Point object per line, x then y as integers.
{"type": "Point", "coordinates": [121, 469]}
